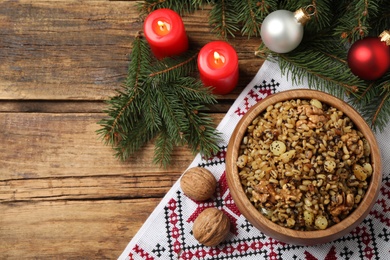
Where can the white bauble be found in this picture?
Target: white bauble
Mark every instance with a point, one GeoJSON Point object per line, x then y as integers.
{"type": "Point", "coordinates": [281, 32]}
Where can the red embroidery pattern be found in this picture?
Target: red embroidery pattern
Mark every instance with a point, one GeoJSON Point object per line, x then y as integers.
{"type": "Point", "coordinates": [330, 256]}
{"type": "Point", "coordinates": [255, 95]}
{"type": "Point", "coordinates": [140, 252]}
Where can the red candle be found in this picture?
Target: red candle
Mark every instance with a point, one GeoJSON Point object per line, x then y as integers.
{"type": "Point", "coordinates": [164, 30]}
{"type": "Point", "coordinates": [218, 66]}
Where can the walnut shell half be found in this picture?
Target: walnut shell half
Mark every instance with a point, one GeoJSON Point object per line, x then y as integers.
{"type": "Point", "coordinates": [211, 227]}
{"type": "Point", "coordinates": [198, 183]}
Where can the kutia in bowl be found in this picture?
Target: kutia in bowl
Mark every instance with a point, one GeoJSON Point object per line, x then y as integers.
{"type": "Point", "coordinates": [303, 167]}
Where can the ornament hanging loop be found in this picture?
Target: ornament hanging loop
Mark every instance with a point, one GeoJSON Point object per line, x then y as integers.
{"type": "Point", "coordinates": [310, 9]}
{"type": "Point", "coordinates": [303, 15]}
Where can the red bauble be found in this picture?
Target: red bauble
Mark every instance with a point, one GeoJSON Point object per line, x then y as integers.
{"type": "Point", "coordinates": [369, 58]}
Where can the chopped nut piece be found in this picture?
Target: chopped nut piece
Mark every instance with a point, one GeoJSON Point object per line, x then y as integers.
{"type": "Point", "coordinates": [330, 166]}
{"type": "Point", "coordinates": [242, 160]}
{"type": "Point", "coordinates": [316, 103]}
{"type": "Point", "coordinates": [368, 168]}
{"type": "Point", "coordinates": [287, 156]}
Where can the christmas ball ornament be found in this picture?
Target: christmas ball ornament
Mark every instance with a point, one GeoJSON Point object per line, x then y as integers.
{"type": "Point", "coordinates": [369, 58]}
{"type": "Point", "coordinates": [282, 30]}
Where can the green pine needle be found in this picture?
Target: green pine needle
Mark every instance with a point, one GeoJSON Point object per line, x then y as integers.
{"type": "Point", "coordinates": [182, 7]}
{"type": "Point", "coordinates": [224, 18]}
{"type": "Point", "coordinates": [164, 149]}
{"type": "Point", "coordinates": [354, 24]}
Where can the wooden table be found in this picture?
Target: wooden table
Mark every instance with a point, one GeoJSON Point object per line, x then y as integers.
{"type": "Point", "coordinates": [63, 195]}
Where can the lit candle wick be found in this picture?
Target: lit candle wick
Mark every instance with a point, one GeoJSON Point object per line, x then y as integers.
{"type": "Point", "coordinates": [217, 57]}
{"type": "Point", "coordinates": [161, 24]}
{"type": "Point", "coordinates": [218, 61]}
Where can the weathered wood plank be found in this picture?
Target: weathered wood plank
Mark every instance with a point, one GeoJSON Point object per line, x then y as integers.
{"type": "Point", "coordinates": [85, 188]}
{"type": "Point", "coordinates": [64, 49]}
{"type": "Point", "coordinates": [39, 145]}
{"type": "Point", "coordinates": [70, 229]}
{"type": "Point", "coordinates": [78, 50]}
{"type": "Point", "coordinates": [48, 106]}
{"type": "Point", "coordinates": [49, 156]}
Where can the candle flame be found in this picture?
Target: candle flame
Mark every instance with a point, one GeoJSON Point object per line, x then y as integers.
{"type": "Point", "coordinates": [163, 27]}
{"type": "Point", "coordinates": [217, 56]}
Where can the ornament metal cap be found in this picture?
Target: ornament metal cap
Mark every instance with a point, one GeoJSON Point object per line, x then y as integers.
{"type": "Point", "coordinates": [385, 37]}
{"type": "Point", "coordinates": [302, 15]}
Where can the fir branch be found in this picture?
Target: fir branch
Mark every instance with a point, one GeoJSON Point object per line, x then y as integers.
{"type": "Point", "coordinates": [182, 7]}
{"type": "Point", "coordinates": [354, 24]}
{"type": "Point", "coordinates": [158, 101]}
{"type": "Point", "coordinates": [320, 9]}
{"type": "Point", "coordinates": [202, 3]}
{"type": "Point", "coordinates": [199, 136]}
{"type": "Point", "coordinates": [252, 13]}
{"type": "Point", "coordinates": [322, 17]}
{"type": "Point", "coordinates": [150, 112]}
{"type": "Point", "coordinates": [133, 140]}
{"type": "Point", "coordinates": [224, 18]}
{"type": "Point", "coordinates": [381, 21]}
{"type": "Point", "coordinates": [163, 148]}
{"type": "Point", "coordinates": [381, 111]}
{"type": "Point", "coordinates": [171, 113]}
{"type": "Point", "coordinates": [316, 78]}
{"type": "Point", "coordinates": [170, 68]}
{"type": "Point", "coordinates": [183, 124]}
{"type": "Point", "coordinates": [374, 103]}
{"type": "Point", "coordinates": [124, 108]}
{"type": "Point", "coordinates": [199, 131]}
{"type": "Point", "coordinates": [323, 68]}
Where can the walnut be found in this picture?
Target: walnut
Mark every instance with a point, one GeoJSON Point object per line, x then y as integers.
{"type": "Point", "coordinates": [211, 227]}
{"type": "Point", "coordinates": [264, 187]}
{"type": "Point", "coordinates": [310, 110]}
{"type": "Point", "coordinates": [314, 113]}
{"type": "Point", "coordinates": [198, 183]}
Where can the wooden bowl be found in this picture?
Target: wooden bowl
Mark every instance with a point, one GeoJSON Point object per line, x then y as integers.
{"type": "Point", "coordinates": [274, 230]}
